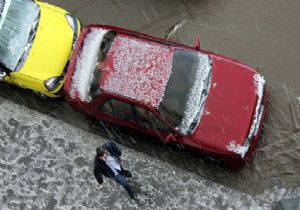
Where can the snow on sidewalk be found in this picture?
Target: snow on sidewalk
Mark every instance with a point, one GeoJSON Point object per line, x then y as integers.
{"type": "Point", "coordinates": [48, 164]}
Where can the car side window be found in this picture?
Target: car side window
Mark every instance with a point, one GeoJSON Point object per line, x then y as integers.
{"type": "Point", "coordinates": [107, 107]}
{"type": "Point", "coordinates": [118, 108]}
{"type": "Point", "coordinates": [148, 119]}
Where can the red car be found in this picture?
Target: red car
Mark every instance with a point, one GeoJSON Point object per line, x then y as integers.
{"type": "Point", "coordinates": [178, 93]}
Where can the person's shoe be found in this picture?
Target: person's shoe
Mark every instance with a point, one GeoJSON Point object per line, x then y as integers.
{"type": "Point", "coordinates": [132, 196]}
{"type": "Point", "coordinates": [127, 173]}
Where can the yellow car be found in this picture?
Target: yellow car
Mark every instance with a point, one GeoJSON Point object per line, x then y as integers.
{"type": "Point", "coordinates": [36, 40]}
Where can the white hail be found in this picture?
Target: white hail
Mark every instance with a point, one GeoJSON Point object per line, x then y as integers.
{"type": "Point", "coordinates": [193, 107]}
{"type": "Point", "coordinates": [85, 65]}
{"type": "Point", "coordinates": [141, 70]}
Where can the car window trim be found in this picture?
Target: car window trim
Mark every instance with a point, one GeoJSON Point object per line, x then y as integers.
{"type": "Point", "coordinates": [136, 119]}
{"type": "Point", "coordinates": [114, 112]}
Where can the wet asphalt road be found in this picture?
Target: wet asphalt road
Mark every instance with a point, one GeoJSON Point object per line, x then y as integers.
{"type": "Point", "coordinates": [261, 34]}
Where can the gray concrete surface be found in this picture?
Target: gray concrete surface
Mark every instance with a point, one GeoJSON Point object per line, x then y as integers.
{"type": "Point", "coordinates": [47, 164]}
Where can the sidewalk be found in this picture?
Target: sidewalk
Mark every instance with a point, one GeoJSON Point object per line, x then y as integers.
{"type": "Point", "coordinates": [47, 164]}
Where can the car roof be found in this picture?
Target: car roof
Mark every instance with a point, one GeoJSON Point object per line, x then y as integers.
{"type": "Point", "coordinates": [138, 69]}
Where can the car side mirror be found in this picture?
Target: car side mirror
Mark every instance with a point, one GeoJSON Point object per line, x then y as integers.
{"type": "Point", "coordinates": [170, 138]}
{"type": "Point", "coordinates": [197, 43]}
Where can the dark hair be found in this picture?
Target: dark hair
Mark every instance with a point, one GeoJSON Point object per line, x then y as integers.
{"type": "Point", "coordinates": [100, 151]}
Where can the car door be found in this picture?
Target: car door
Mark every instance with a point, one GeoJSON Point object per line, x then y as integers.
{"type": "Point", "coordinates": [117, 112]}
{"type": "Point", "coordinates": [150, 122]}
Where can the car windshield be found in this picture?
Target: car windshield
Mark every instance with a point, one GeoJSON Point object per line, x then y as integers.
{"type": "Point", "coordinates": [18, 23]}
{"type": "Point", "coordinates": [187, 89]}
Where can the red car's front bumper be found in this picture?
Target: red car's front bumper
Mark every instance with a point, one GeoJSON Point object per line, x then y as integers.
{"type": "Point", "coordinates": [237, 163]}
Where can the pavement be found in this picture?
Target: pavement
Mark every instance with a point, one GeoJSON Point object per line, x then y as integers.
{"type": "Point", "coordinates": [46, 163]}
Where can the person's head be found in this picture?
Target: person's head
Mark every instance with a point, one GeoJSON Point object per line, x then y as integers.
{"type": "Point", "coordinates": [101, 153]}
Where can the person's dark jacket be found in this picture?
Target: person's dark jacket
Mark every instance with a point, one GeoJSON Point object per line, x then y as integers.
{"type": "Point", "coordinates": [100, 167]}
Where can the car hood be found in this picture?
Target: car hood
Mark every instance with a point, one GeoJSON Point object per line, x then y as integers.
{"type": "Point", "coordinates": [51, 47]}
{"type": "Point", "coordinates": [229, 108]}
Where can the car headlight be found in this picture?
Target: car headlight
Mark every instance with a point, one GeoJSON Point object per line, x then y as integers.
{"type": "Point", "coordinates": [53, 82]}
{"type": "Point", "coordinates": [72, 22]}
{"type": "Point", "coordinates": [74, 25]}
{"type": "Point", "coordinates": [2, 75]}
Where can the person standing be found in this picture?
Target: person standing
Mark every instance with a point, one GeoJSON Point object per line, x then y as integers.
{"type": "Point", "coordinates": [108, 163]}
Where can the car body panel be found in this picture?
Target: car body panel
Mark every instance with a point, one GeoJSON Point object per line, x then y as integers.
{"type": "Point", "coordinates": [49, 53]}
{"type": "Point", "coordinates": [228, 111]}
